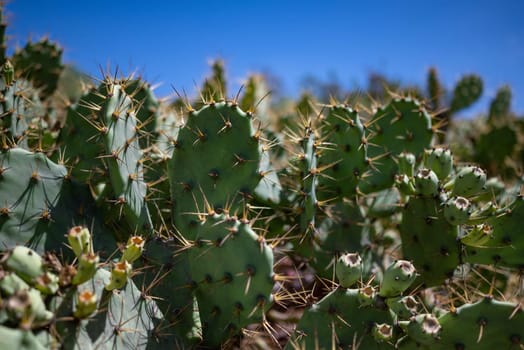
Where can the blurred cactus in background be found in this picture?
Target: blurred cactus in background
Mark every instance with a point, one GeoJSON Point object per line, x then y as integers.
{"type": "Point", "coordinates": [129, 221]}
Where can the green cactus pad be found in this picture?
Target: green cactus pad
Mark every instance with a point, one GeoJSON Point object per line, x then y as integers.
{"type": "Point", "coordinates": [494, 158]}
{"type": "Point", "coordinates": [168, 279]}
{"type": "Point", "coordinates": [435, 89]}
{"type": "Point", "coordinates": [100, 138]}
{"type": "Point", "coordinates": [215, 164]}
{"type": "Point", "coordinates": [124, 319]}
{"type": "Point", "coordinates": [40, 62]}
{"type": "Point", "coordinates": [503, 239]}
{"type": "Point", "coordinates": [81, 141]}
{"type": "Point", "coordinates": [307, 205]}
{"type": "Point", "coordinates": [429, 240]}
{"type": "Point", "coordinates": [486, 324]}
{"type": "Point", "coordinates": [467, 90]}
{"type": "Point", "coordinates": [500, 106]}
{"type": "Point", "coordinates": [19, 339]}
{"type": "Point", "coordinates": [339, 321]}
{"type": "Point", "coordinates": [344, 157]}
{"type": "Point", "coordinates": [15, 108]}
{"type": "Point", "coordinates": [233, 269]}
{"type": "Point", "coordinates": [341, 233]}
{"type": "Point", "coordinates": [403, 125]}
{"type": "Point", "coordinates": [40, 203]}
{"type": "Point", "coordinates": [124, 156]}
{"type": "Point", "coordinates": [147, 109]}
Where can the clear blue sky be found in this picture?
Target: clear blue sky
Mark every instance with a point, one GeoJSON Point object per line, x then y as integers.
{"type": "Point", "coordinates": [172, 41]}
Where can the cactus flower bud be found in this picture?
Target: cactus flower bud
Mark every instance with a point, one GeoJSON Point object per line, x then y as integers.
{"type": "Point", "coordinates": [457, 210]}
{"type": "Point", "coordinates": [348, 269]}
{"type": "Point", "coordinates": [119, 275]}
{"type": "Point", "coordinates": [134, 249]}
{"type": "Point", "coordinates": [26, 263]}
{"type": "Point", "coordinates": [440, 160]}
{"type": "Point", "coordinates": [403, 307]}
{"type": "Point", "coordinates": [406, 164]}
{"type": "Point", "coordinates": [426, 183]}
{"type": "Point", "coordinates": [469, 181]}
{"type": "Point", "coordinates": [79, 239]}
{"type": "Point", "coordinates": [47, 283]}
{"type": "Point", "coordinates": [382, 332]}
{"type": "Point", "coordinates": [397, 278]}
{"type": "Point", "coordinates": [423, 328]}
{"type": "Point", "coordinates": [87, 265]}
{"type": "Point", "coordinates": [366, 295]}
{"type": "Point", "coordinates": [86, 304]}
{"type": "Point", "coordinates": [8, 71]}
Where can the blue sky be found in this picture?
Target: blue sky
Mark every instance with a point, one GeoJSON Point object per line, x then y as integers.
{"type": "Point", "coordinates": [171, 42]}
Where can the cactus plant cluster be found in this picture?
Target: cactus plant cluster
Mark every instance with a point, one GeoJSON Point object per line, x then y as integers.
{"type": "Point", "coordinates": [128, 222]}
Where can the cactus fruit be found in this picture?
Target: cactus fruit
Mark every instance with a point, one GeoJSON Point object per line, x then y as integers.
{"type": "Point", "coordinates": [86, 304]}
{"type": "Point", "coordinates": [397, 278]}
{"type": "Point", "coordinates": [469, 181]}
{"type": "Point", "coordinates": [426, 183]}
{"type": "Point", "coordinates": [348, 269]}
{"type": "Point", "coordinates": [423, 328]}
{"type": "Point", "coordinates": [440, 161]}
{"type": "Point", "coordinates": [26, 263]}
{"type": "Point", "coordinates": [87, 266]}
{"type": "Point", "coordinates": [403, 307]}
{"type": "Point", "coordinates": [79, 239]}
{"type": "Point", "coordinates": [406, 163]}
{"type": "Point", "coordinates": [133, 249]}
{"type": "Point", "coordinates": [119, 275]}
{"type": "Point", "coordinates": [457, 210]}
{"type": "Point", "coordinates": [382, 332]}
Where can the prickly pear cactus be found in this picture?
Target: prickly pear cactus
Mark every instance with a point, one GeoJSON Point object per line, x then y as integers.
{"type": "Point", "coordinates": [429, 240]}
{"type": "Point", "coordinates": [467, 90]}
{"type": "Point", "coordinates": [214, 166]}
{"type": "Point", "coordinates": [344, 160]}
{"type": "Point", "coordinates": [401, 126]}
{"type": "Point", "coordinates": [106, 119]}
{"type": "Point", "coordinates": [40, 201]}
{"type": "Point", "coordinates": [500, 106]}
{"type": "Point", "coordinates": [342, 319]}
{"type": "Point", "coordinates": [498, 240]}
{"type": "Point", "coordinates": [486, 324]}
{"type": "Point", "coordinates": [41, 63]}
{"type": "Point", "coordinates": [232, 268]}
